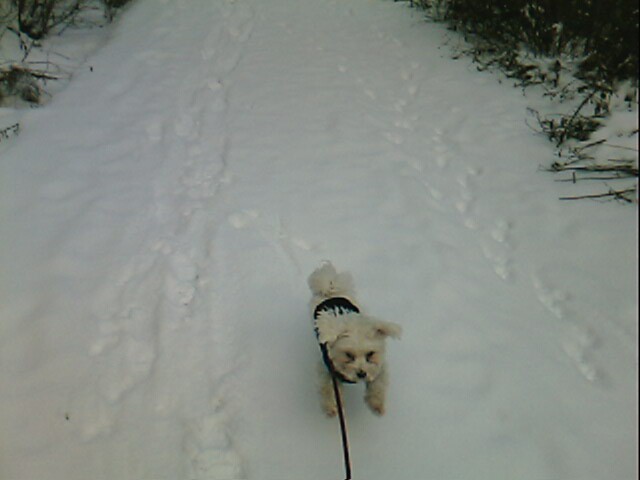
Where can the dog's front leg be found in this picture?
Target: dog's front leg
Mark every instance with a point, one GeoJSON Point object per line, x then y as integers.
{"type": "Point", "coordinates": [376, 392]}
{"type": "Point", "coordinates": [327, 395]}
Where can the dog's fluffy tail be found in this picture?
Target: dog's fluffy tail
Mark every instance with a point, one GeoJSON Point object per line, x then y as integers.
{"type": "Point", "coordinates": [325, 281]}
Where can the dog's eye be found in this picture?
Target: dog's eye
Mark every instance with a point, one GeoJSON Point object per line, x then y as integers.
{"type": "Point", "coordinates": [350, 356]}
{"type": "Point", "coordinates": [370, 356]}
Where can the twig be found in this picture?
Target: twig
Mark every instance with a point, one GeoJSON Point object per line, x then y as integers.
{"type": "Point", "coordinates": [621, 147]}
{"type": "Point", "coordinates": [616, 194]}
{"type": "Point", "coordinates": [627, 169]}
{"type": "Point", "coordinates": [590, 144]}
{"type": "Point", "coordinates": [585, 100]}
{"type": "Point", "coordinates": [10, 131]}
{"type": "Point", "coordinates": [575, 179]}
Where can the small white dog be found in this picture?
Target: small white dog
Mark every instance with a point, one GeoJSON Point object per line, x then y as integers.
{"type": "Point", "coordinates": [355, 342]}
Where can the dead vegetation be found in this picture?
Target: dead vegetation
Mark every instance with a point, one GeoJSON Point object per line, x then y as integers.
{"type": "Point", "coordinates": [580, 58]}
{"type": "Point", "coordinates": [25, 65]}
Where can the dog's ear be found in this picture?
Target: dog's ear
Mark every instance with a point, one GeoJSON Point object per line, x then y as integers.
{"type": "Point", "coordinates": [329, 328]}
{"type": "Point", "coordinates": [387, 329]}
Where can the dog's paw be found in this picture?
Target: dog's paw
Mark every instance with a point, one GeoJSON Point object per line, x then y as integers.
{"type": "Point", "coordinates": [376, 405]}
{"type": "Point", "coordinates": [330, 410]}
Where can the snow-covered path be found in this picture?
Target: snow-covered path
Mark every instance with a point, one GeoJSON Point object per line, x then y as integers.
{"type": "Point", "coordinates": [160, 216]}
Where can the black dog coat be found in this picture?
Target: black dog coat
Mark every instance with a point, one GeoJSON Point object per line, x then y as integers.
{"type": "Point", "coordinates": [335, 306]}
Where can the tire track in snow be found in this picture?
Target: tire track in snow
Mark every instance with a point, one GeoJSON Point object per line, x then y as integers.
{"type": "Point", "coordinates": [162, 327]}
{"type": "Point", "coordinates": [209, 446]}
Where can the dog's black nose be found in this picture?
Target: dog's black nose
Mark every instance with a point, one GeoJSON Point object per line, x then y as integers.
{"type": "Point", "coordinates": [362, 374]}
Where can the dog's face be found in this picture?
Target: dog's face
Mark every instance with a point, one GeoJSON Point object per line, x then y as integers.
{"type": "Point", "coordinates": [356, 346]}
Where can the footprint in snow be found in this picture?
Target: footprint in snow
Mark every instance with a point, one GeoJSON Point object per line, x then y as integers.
{"type": "Point", "coordinates": [180, 285]}
{"type": "Point", "coordinates": [404, 124]}
{"type": "Point", "coordinates": [497, 248]}
{"type": "Point", "coordinates": [553, 299]}
{"type": "Point", "coordinates": [578, 348]}
{"type": "Point", "coordinates": [130, 363]}
{"type": "Point", "coordinates": [580, 342]}
{"type": "Point", "coordinates": [394, 138]}
{"type": "Point", "coordinates": [184, 125]}
{"type": "Point", "coordinates": [500, 261]}
{"type": "Point", "coordinates": [243, 219]}
{"type": "Point", "coordinates": [154, 129]}
{"type": "Point", "coordinates": [400, 105]}
{"type": "Point", "coordinates": [210, 449]}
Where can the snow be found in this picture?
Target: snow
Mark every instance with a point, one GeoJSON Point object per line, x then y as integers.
{"type": "Point", "coordinates": [161, 214]}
